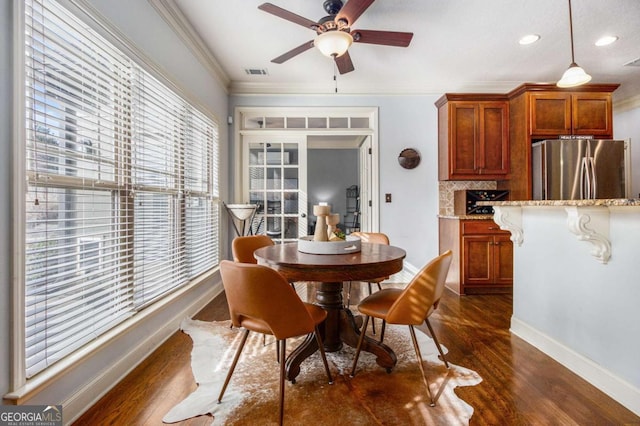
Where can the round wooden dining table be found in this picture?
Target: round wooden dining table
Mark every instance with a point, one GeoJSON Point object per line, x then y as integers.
{"type": "Point", "coordinates": [329, 271]}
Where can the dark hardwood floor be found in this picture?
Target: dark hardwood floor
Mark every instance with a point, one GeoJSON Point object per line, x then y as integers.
{"type": "Point", "coordinates": [521, 385]}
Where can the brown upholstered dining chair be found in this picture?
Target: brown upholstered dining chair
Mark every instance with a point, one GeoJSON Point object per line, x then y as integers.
{"type": "Point", "coordinates": [409, 306]}
{"type": "Point", "coordinates": [242, 248]}
{"type": "Point", "coordinates": [261, 300]}
{"type": "Point", "coordinates": [373, 238]}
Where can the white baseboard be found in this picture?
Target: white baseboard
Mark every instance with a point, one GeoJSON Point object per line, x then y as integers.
{"type": "Point", "coordinates": [92, 391]}
{"type": "Point", "coordinates": [617, 388]}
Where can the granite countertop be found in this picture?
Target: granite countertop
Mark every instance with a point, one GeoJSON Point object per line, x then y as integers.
{"type": "Point", "coordinates": [561, 203]}
{"type": "Point", "coordinates": [467, 216]}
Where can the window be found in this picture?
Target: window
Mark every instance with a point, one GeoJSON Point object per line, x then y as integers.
{"type": "Point", "coordinates": [122, 186]}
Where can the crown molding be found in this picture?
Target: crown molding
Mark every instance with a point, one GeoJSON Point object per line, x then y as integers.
{"type": "Point", "coordinates": [329, 88]}
{"type": "Point", "coordinates": [176, 20]}
{"type": "Point", "coordinates": [627, 104]}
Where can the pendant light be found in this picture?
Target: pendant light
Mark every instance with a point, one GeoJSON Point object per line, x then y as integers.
{"type": "Point", "coordinates": [574, 75]}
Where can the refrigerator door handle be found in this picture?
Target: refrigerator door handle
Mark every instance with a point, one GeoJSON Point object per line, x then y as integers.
{"type": "Point", "coordinates": [593, 180]}
{"type": "Point", "coordinates": [584, 179]}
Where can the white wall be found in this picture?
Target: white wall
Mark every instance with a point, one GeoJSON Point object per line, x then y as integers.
{"type": "Point", "coordinates": [84, 381]}
{"type": "Point", "coordinates": [579, 311]}
{"type": "Point", "coordinates": [404, 122]}
{"type": "Point", "coordinates": [626, 125]}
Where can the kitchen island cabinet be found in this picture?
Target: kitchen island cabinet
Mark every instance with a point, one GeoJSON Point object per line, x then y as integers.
{"type": "Point", "coordinates": [575, 286]}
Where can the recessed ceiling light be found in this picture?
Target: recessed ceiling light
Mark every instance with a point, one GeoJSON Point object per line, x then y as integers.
{"type": "Point", "coordinates": [529, 38]}
{"type": "Point", "coordinates": [606, 40]}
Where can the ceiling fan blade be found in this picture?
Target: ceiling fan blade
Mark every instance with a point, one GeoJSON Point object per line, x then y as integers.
{"type": "Point", "coordinates": [293, 52]}
{"type": "Point", "coordinates": [344, 63]}
{"type": "Point", "coordinates": [352, 11]}
{"type": "Point", "coordinates": [387, 38]}
{"type": "Point", "coordinates": [289, 16]}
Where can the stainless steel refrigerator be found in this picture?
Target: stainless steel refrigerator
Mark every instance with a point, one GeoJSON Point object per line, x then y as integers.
{"type": "Point", "coordinates": [575, 169]}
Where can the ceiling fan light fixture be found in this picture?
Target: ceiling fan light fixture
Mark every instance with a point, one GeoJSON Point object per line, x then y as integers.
{"type": "Point", "coordinates": [333, 43]}
{"type": "Point", "coordinates": [574, 76]}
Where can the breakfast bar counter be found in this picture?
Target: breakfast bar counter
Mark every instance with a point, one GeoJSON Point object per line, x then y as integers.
{"type": "Point", "coordinates": [576, 292]}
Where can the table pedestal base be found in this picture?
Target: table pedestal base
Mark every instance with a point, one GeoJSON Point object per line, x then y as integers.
{"type": "Point", "coordinates": [339, 327]}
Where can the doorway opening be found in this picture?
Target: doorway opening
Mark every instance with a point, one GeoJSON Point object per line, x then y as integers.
{"type": "Point", "coordinates": [336, 163]}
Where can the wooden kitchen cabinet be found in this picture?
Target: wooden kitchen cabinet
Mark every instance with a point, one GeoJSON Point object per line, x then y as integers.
{"type": "Point", "coordinates": [473, 137]}
{"type": "Point", "coordinates": [544, 111]}
{"type": "Point", "coordinates": [561, 113]}
{"type": "Point", "coordinates": [487, 256]}
{"type": "Point", "coordinates": [482, 256]}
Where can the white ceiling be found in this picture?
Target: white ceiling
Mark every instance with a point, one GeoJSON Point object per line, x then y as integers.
{"type": "Point", "coordinates": [458, 45]}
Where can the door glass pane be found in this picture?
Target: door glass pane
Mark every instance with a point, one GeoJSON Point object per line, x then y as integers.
{"type": "Point", "coordinates": [290, 227]}
{"type": "Point", "coordinates": [274, 178]}
{"type": "Point", "coordinates": [274, 203]}
{"type": "Point", "coordinates": [256, 153]}
{"type": "Point", "coordinates": [290, 178]}
{"type": "Point", "coordinates": [274, 228]}
{"type": "Point", "coordinates": [273, 154]}
{"type": "Point", "coordinates": [290, 203]}
{"type": "Point", "coordinates": [290, 156]}
{"type": "Point", "coordinates": [256, 178]}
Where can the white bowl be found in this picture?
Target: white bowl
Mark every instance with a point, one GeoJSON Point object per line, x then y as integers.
{"type": "Point", "coordinates": [350, 245]}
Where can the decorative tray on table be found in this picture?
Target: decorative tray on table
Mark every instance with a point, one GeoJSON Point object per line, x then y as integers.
{"type": "Point", "coordinates": [348, 245]}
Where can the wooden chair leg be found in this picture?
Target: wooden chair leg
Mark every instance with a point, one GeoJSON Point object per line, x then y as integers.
{"type": "Point", "coordinates": [360, 341]}
{"type": "Point", "coordinates": [283, 344]}
{"type": "Point", "coordinates": [323, 355]}
{"type": "Point", "coordinates": [233, 364]}
{"type": "Point", "coordinates": [419, 356]}
{"type": "Point", "coordinates": [435, 339]}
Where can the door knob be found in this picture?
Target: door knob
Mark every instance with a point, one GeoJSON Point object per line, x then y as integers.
{"type": "Point", "coordinates": [303, 215]}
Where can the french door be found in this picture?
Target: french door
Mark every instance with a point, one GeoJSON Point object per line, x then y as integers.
{"type": "Point", "coordinates": [275, 177]}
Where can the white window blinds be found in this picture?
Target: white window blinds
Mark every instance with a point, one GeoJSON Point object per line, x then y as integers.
{"type": "Point", "coordinates": [121, 206]}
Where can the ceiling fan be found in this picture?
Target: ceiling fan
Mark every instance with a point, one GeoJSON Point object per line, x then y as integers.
{"type": "Point", "coordinates": [334, 33]}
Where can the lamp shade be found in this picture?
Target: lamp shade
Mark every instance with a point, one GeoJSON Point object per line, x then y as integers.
{"type": "Point", "coordinates": [574, 76]}
{"type": "Point", "coordinates": [333, 43]}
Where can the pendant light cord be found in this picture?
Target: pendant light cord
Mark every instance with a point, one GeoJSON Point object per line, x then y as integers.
{"type": "Point", "coordinates": [571, 33]}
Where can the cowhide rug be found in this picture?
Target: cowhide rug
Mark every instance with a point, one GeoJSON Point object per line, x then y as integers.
{"type": "Point", "coordinates": [371, 397]}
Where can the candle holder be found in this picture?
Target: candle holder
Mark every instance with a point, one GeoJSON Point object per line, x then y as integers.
{"type": "Point", "coordinates": [332, 220]}
{"type": "Point", "coordinates": [321, 212]}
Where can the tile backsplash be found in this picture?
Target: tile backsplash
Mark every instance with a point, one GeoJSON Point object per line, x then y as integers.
{"type": "Point", "coordinates": [446, 188]}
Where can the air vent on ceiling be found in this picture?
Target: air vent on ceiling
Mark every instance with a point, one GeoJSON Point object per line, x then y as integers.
{"type": "Point", "coordinates": [634, 63]}
{"type": "Point", "coordinates": [256, 71]}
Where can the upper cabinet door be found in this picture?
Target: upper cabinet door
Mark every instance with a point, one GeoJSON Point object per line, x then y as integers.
{"type": "Point", "coordinates": [579, 113]}
{"type": "Point", "coordinates": [592, 114]}
{"type": "Point", "coordinates": [550, 114]}
{"type": "Point", "coordinates": [463, 142]}
{"type": "Point", "coordinates": [494, 138]}
{"type": "Point", "coordinates": [473, 140]}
